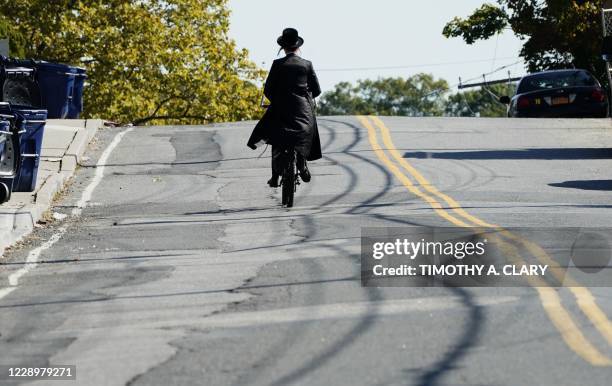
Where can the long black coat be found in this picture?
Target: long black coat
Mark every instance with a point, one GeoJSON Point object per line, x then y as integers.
{"type": "Point", "coordinates": [290, 120]}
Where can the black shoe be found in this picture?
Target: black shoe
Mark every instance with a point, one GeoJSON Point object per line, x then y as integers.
{"type": "Point", "coordinates": [305, 174]}
{"type": "Point", "coordinates": [273, 182]}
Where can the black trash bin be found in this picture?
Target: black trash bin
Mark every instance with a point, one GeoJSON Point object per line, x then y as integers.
{"type": "Point", "coordinates": [19, 87]}
{"type": "Point", "coordinates": [18, 83]}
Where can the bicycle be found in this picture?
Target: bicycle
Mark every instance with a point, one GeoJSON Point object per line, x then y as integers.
{"type": "Point", "coordinates": [290, 178]}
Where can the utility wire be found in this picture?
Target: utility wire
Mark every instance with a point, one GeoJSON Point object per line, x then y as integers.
{"type": "Point", "coordinates": [468, 104]}
{"type": "Point", "coordinates": [444, 90]}
{"type": "Point", "coordinates": [439, 64]}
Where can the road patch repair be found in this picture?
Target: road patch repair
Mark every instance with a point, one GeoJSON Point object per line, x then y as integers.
{"type": "Point", "coordinates": [64, 143]}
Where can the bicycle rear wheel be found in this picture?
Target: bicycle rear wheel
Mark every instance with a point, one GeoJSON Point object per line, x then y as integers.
{"type": "Point", "coordinates": [288, 181]}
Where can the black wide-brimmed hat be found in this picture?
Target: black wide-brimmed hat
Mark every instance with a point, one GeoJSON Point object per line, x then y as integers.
{"type": "Point", "coordinates": [290, 39]}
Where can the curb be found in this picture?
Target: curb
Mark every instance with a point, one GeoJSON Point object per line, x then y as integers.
{"type": "Point", "coordinates": [82, 138]}
{"type": "Point", "coordinates": [16, 223]}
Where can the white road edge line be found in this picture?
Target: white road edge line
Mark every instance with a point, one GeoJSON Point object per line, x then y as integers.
{"type": "Point", "coordinates": [32, 259]}
{"type": "Point", "coordinates": [100, 166]}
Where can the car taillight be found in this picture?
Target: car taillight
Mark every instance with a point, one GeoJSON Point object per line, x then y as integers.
{"type": "Point", "coordinates": [523, 102]}
{"type": "Point", "coordinates": [598, 95]}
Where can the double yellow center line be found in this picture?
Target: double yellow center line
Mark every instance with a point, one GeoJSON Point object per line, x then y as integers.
{"type": "Point", "coordinates": [418, 185]}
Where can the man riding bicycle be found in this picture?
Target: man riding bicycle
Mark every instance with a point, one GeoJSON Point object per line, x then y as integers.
{"type": "Point", "coordinates": [290, 120]}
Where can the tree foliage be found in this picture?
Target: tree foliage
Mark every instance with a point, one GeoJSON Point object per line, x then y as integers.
{"type": "Point", "coordinates": [557, 33]}
{"type": "Point", "coordinates": [415, 96]}
{"type": "Point", "coordinates": [482, 24]}
{"type": "Point", "coordinates": [147, 60]}
{"type": "Point", "coordinates": [16, 40]}
{"type": "Point", "coordinates": [418, 96]}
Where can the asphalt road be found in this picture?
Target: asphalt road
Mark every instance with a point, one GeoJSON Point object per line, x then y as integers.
{"type": "Point", "coordinates": [184, 269]}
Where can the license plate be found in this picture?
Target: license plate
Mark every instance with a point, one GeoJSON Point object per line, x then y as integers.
{"type": "Point", "coordinates": [560, 101]}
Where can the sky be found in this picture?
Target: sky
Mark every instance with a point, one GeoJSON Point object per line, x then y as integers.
{"type": "Point", "coordinates": [344, 37]}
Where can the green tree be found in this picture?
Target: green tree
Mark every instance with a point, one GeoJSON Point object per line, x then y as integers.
{"type": "Point", "coordinates": [479, 103]}
{"type": "Point", "coordinates": [418, 95]}
{"type": "Point", "coordinates": [556, 33]}
{"type": "Point", "coordinates": [147, 60]}
{"type": "Point", "coordinates": [16, 40]}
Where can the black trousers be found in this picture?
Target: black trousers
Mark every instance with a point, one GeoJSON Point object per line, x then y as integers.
{"type": "Point", "coordinates": [277, 160]}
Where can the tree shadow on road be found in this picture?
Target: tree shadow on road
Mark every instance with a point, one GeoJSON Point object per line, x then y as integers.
{"type": "Point", "coordinates": [517, 154]}
{"type": "Point", "coordinates": [585, 185]}
{"type": "Point", "coordinates": [469, 339]}
{"type": "Point", "coordinates": [65, 302]}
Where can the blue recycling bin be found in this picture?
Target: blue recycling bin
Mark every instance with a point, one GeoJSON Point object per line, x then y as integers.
{"type": "Point", "coordinates": [56, 87]}
{"type": "Point", "coordinates": [57, 82]}
{"type": "Point", "coordinates": [7, 160]}
{"type": "Point", "coordinates": [9, 151]}
{"type": "Point", "coordinates": [76, 104]}
{"type": "Point", "coordinates": [7, 166]}
{"type": "Point", "coordinates": [30, 126]}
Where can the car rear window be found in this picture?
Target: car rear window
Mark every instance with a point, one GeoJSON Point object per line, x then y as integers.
{"type": "Point", "coordinates": [551, 80]}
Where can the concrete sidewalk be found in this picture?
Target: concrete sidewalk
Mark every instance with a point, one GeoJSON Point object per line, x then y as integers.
{"type": "Point", "coordinates": [64, 143]}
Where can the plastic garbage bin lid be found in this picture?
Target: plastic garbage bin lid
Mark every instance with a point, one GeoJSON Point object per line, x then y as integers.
{"type": "Point", "coordinates": [48, 66]}
{"type": "Point", "coordinates": [19, 70]}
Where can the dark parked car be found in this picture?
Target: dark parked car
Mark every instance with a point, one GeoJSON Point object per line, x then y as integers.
{"type": "Point", "coordinates": [558, 94]}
